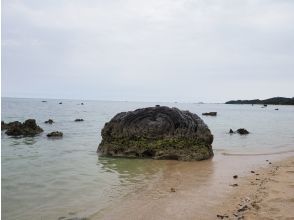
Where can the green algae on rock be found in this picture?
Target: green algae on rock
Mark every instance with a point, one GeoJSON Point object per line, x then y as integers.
{"type": "Point", "coordinates": [157, 132]}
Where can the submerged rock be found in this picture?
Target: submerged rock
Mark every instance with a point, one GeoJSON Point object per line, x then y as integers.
{"type": "Point", "coordinates": [157, 132]}
{"type": "Point", "coordinates": [210, 113]}
{"type": "Point", "coordinates": [16, 128]}
{"type": "Point", "coordinates": [50, 121]}
{"type": "Point", "coordinates": [242, 131]}
{"type": "Point", "coordinates": [55, 134]}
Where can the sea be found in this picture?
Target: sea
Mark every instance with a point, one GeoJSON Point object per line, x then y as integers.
{"type": "Point", "coordinates": [66, 179]}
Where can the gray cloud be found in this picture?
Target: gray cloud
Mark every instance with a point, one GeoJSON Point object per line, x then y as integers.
{"type": "Point", "coordinates": [201, 50]}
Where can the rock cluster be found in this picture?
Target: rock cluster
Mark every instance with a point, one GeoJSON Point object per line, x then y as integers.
{"type": "Point", "coordinates": [16, 128]}
{"type": "Point", "coordinates": [157, 132]}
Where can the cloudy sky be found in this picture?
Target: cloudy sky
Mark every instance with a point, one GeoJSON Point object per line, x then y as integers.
{"type": "Point", "coordinates": [155, 50]}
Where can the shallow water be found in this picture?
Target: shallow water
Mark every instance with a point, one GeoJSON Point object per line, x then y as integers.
{"type": "Point", "coordinates": [49, 179]}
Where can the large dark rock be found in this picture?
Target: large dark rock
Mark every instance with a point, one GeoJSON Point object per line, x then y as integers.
{"type": "Point", "coordinates": [157, 132]}
{"type": "Point", "coordinates": [28, 128]}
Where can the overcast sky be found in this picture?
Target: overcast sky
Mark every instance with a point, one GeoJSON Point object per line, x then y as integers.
{"type": "Point", "coordinates": [148, 50]}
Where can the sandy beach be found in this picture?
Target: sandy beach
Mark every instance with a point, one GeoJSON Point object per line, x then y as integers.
{"type": "Point", "coordinates": [208, 190]}
{"type": "Point", "coordinates": [266, 194]}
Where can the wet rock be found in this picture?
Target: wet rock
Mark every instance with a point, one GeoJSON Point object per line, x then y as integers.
{"type": "Point", "coordinates": [252, 171]}
{"type": "Point", "coordinates": [235, 176]}
{"type": "Point", "coordinates": [82, 103]}
{"type": "Point", "coordinates": [210, 113]}
{"type": "Point", "coordinates": [158, 133]}
{"type": "Point", "coordinates": [16, 128]}
{"type": "Point", "coordinates": [55, 134]}
{"type": "Point", "coordinates": [50, 121]}
{"type": "Point", "coordinates": [44, 101]}
{"type": "Point", "coordinates": [265, 105]}
{"type": "Point", "coordinates": [276, 109]}
{"type": "Point", "coordinates": [79, 119]}
{"type": "Point", "coordinates": [242, 131]}
{"type": "Point", "coordinates": [231, 131]}
{"type": "Point", "coordinates": [60, 103]}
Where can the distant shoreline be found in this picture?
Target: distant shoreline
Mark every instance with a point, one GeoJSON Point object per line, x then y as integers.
{"type": "Point", "coordinates": [270, 101]}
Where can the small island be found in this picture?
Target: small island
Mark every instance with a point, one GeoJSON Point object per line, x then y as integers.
{"type": "Point", "coordinates": [270, 101]}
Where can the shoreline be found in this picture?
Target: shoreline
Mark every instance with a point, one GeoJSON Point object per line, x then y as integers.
{"type": "Point", "coordinates": [267, 193]}
{"type": "Point", "coordinates": [200, 190]}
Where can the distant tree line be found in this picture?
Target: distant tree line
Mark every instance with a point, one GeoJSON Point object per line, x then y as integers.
{"type": "Point", "coordinates": [270, 101]}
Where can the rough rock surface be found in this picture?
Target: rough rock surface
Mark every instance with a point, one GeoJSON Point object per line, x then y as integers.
{"type": "Point", "coordinates": [16, 128]}
{"type": "Point", "coordinates": [157, 132]}
{"type": "Point", "coordinates": [55, 134]}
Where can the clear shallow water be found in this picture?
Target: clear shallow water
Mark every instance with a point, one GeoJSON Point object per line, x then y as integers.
{"type": "Point", "coordinates": [48, 179]}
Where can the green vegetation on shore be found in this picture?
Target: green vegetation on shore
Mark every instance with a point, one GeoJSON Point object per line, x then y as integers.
{"type": "Point", "coordinates": [270, 101]}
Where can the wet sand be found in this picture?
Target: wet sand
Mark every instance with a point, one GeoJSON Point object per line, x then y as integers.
{"type": "Point", "coordinates": [205, 190]}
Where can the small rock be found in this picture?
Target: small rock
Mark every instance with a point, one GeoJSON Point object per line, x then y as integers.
{"type": "Point", "coordinates": [210, 113]}
{"type": "Point", "coordinates": [60, 103]}
{"type": "Point", "coordinates": [266, 160]}
{"type": "Point", "coordinates": [172, 189]}
{"type": "Point", "coordinates": [50, 121]}
{"type": "Point", "coordinates": [157, 105]}
{"type": "Point", "coordinates": [231, 131]}
{"type": "Point", "coordinates": [79, 119]}
{"type": "Point", "coordinates": [270, 163]}
{"type": "Point", "coordinates": [55, 134]}
{"type": "Point", "coordinates": [44, 101]}
{"type": "Point", "coordinates": [252, 171]}
{"type": "Point", "coordinates": [257, 179]}
{"type": "Point", "coordinates": [242, 131]}
{"type": "Point", "coordinates": [234, 185]}
{"type": "Point", "coordinates": [265, 105]}
{"type": "Point", "coordinates": [244, 208]}
{"type": "Point", "coordinates": [257, 174]}
{"type": "Point", "coordinates": [276, 109]}
{"type": "Point", "coordinates": [222, 216]}
{"type": "Point", "coordinates": [82, 103]}
{"type": "Point", "coordinates": [235, 176]}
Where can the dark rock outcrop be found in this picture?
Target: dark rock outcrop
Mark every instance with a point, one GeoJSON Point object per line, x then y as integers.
{"type": "Point", "coordinates": [50, 121]}
{"type": "Point", "coordinates": [79, 119]}
{"type": "Point", "coordinates": [210, 113]}
{"type": "Point", "coordinates": [55, 134]}
{"type": "Point", "coordinates": [271, 101]}
{"type": "Point", "coordinates": [242, 131]}
{"type": "Point", "coordinates": [157, 132]}
{"type": "Point", "coordinates": [16, 128]}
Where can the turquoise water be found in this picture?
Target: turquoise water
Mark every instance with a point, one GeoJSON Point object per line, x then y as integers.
{"type": "Point", "coordinates": [49, 179]}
